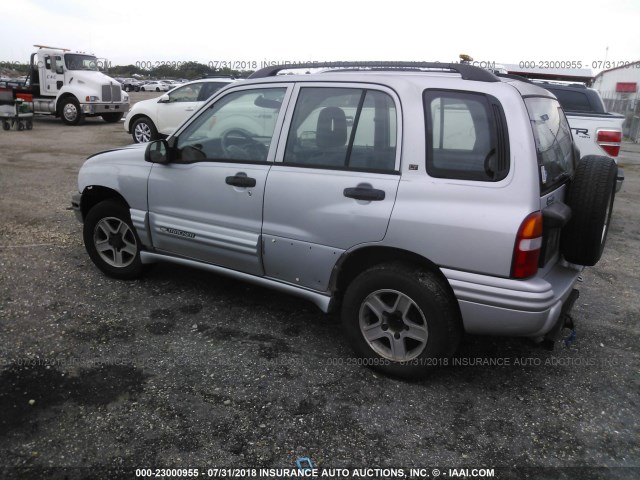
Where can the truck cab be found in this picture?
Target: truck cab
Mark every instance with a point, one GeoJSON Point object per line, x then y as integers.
{"type": "Point", "coordinates": [69, 85]}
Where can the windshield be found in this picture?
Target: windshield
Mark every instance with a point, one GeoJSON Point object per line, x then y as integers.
{"type": "Point", "coordinates": [74, 61]}
{"type": "Point", "coordinates": [554, 143]}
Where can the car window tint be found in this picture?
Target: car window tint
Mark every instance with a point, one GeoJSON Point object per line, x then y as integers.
{"type": "Point", "coordinates": [465, 137]}
{"type": "Point", "coordinates": [573, 101]}
{"type": "Point", "coordinates": [209, 88]}
{"type": "Point", "coordinates": [343, 128]}
{"type": "Point", "coordinates": [187, 93]}
{"type": "Point", "coordinates": [239, 126]}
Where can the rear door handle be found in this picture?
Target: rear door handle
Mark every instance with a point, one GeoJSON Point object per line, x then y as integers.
{"type": "Point", "coordinates": [364, 193]}
{"type": "Point", "coordinates": [241, 181]}
{"type": "Point", "coordinates": [189, 109]}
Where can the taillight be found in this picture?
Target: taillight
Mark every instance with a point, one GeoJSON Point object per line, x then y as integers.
{"type": "Point", "coordinates": [609, 141]}
{"type": "Point", "coordinates": [526, 251]}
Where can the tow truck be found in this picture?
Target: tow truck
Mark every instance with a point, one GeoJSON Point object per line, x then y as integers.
{"type": "Point", "coordinates": [69, 85]}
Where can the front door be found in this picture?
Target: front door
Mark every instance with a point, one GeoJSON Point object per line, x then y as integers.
{"type": "Point", "coordinates": [207, 205]}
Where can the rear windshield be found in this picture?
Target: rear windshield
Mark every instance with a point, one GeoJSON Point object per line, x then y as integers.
{"type": "Point", "coordinates": [554, 143]}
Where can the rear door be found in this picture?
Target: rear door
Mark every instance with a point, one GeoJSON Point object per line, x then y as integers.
{"type": "Point", "coordinates": [335, 180]}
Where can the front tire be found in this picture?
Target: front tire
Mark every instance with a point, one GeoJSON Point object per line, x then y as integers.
{"type": "Point", "coordinates": [70, 112]}
{"type": "Point", "coordinates": [401, 320]}
{"type": "Point", "coordinates": [111, 240]}
{"type": "Point", "coordinates": [143, 130]}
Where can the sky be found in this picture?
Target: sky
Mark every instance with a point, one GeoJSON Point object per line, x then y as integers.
{"type": "Point", "coordinates": [257, 31]}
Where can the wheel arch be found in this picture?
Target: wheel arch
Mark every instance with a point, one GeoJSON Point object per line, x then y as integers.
{"type": "Point", "coordinates": [351, 264]}
{"type": "Point", "coordinates": [94, 194]}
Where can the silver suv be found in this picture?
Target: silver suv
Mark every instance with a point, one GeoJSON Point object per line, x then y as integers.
{"type": "Point", "coordinates": [420, 200]}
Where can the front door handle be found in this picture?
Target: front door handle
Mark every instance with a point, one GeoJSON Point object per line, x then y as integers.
{"type": "Point", "coordinates": [241, 181]}
{"type": "Point", "coordinates": [364, 193]}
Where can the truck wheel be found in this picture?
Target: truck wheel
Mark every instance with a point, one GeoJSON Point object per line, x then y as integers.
{"type": "Point", "coordinates": [29, 124]}
{"type": "Point", "coordinates": [111, 240]}
{"type": "Point", "coordinates": [401, 319]}
{"type": "Point", "coordinates": [143, 130]}
{"type": "Point", "coordinates": [590, 196]}
{"type": "Point", "coordinates": [112, 117]}
{"type": "Point", "coordinates": [6, 125]}
{"type": "Point", "coordinates": [70, 112]}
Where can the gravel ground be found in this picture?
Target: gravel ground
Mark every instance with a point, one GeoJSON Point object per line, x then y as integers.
{"type": "Point", "coordinates": [184, 369]}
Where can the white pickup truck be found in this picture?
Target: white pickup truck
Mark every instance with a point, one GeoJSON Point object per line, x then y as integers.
{"type": "Point", "coordinates": [595, 131]}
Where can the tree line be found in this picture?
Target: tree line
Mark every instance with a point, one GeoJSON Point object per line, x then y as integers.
{"type": "Point", "coordinates": [187, 70]}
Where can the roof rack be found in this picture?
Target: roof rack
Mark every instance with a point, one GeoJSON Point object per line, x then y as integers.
{"type": "Point", "coordinates": [467, 72]}
{"type": "Point", "coordinates": [213, 75]}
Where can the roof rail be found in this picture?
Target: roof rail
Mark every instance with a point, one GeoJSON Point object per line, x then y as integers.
{"type": "Point", "coordinates": [467, 72]}
{"type": "Point", "coordinates": [514, 77]}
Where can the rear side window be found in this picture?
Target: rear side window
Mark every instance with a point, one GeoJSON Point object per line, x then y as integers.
{"type": "Point", "coordinates": [466, 136]}
{"type": "Point", "coordinates": [341, 128]}
{"type": "Point", "coordinates": [553, 139]}
{"type": "Point", "coordinates": [209, 88]}
{"type": "Point", "coordinates": [573, 101]}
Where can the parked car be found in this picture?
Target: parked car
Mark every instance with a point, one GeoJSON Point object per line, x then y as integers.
{"type": "Point", "coordinates": [149, 119]}
{"type": "Point", "coordinates": [154, 86]}
{"type": "Point", "coordinates": [131, 84]}
{"type": "Point", "coordinates": [421, 202]}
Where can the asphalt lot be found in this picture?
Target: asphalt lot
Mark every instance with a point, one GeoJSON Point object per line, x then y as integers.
{"type": "Point", "coordinates": [184, 369]}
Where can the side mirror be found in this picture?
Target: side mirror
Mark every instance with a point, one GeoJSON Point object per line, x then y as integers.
{"type": "Point", "coordinates": [164, 99]}
{"type": "Point", "coordinates": [158, 152]}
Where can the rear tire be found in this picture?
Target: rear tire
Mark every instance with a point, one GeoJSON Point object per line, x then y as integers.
{"type": "Point", "coordinates": [111, 240]}
{"type": "Point", "coordinates": [590, 196]}
{"type": "Point", "coordinates": [401, 319]}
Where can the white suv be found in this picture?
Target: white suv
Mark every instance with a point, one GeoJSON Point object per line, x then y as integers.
{"type": "Point", "coordinates": [151, 119]}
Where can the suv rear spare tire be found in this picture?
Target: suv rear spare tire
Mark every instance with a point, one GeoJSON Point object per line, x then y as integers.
{"type": "Point", "coordinates": [590, 197]}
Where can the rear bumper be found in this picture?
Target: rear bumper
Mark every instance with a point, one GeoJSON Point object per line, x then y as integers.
{"type": "Point", "coordinates": [519, 308]}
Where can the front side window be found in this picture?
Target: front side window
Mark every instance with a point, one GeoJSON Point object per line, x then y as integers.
{"type": "Point", "coordinates": [238, 127]}
{"type": "Point", "coordinates": [187, 93]}
{"type": "Point", "coordinates": [554, 144]}
{"type": "Point", "coordinates": [343, 128]}
{"type": "Point", "coordinates": [74, 61]}
{"type": "Point", "coordinates": [466, 137]}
